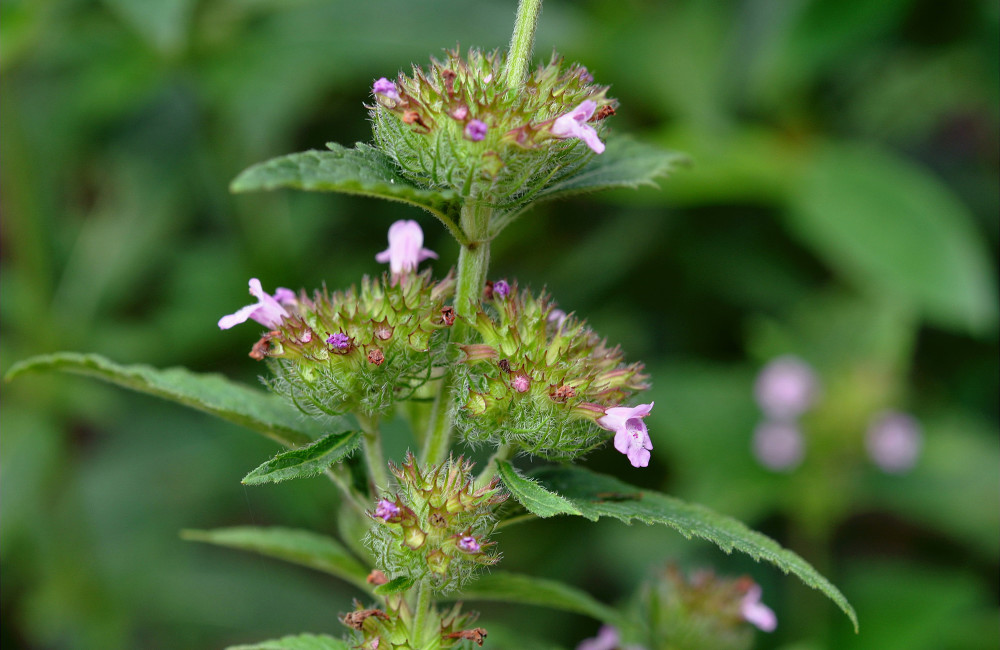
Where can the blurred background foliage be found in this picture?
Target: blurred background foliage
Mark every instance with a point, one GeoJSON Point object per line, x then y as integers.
{"type": "Point", "coordinates": [841, 207]}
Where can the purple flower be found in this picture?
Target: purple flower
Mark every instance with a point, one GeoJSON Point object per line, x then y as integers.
{"type": "Point", "coordinates": [893, 441]}
{"type": "Point", "coordinates": [386, 509]}
{"type": "Point", "coordinates": [778, 446]}
{"type": "Point", "coordinates": [607, 639]}
{"type": "Point", "coordinates": [475, 130]}
{"type": "Point", "coordinates": [631, 435]}
{"type": "Point", "coordinates": [501, 289]}
{"type": "Point", "coordinates": [574, 125]}
{"type": "Point", "coordinates": [786, 388]}
{"type": "Point", "coordinates": [406, 241]}
{"type": "Point", "coordinates": [267, 311]}
{"type": "Point", "coordinates": [585, 76]}
{"type": "Point", "coordinates": [339, 341]}
{"type": "Point", "coordinates": [468, 544]}
{"type": "Point", "coordinates": [385, 88]}
{"type": "Point", "coordinates": [520, 382]}
{"type": "Point", "coordinates": [757, 613]}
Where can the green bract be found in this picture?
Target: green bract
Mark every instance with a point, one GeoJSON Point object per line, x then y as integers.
{"type": "Point", "coordinates": [433, 529]}
{"type": "Point", "coordinates": [425, 127]}
{"type": "Point", "coordinates": [539, 380]}
{"type": "Point", "coordinates": [389, 338]}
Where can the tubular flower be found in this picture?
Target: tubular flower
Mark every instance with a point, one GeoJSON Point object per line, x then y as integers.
{"type": "Point", "coordinates": [757, 613]}
{"type": "Point", "coordinates": [267, 311]}
{"type": "Point", "coordinates": [631, 435]}
{"type": "Point", "coordinates": [574, 125]}
{"type": "Point", "coordinates": [406, 241]}
{"type": "Point", "coordinates": [385, 88]}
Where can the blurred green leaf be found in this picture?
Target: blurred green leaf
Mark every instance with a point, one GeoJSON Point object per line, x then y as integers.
{"type": "Point", "coordinates": [307, 461]}
{"type": "Point", "coordinates": [297, 546]}
{"type": "Point", "coordinates": [362, 170]}
{"type": "Point", "coordinates": [889, 225]}
{"type": "Point", "coordinates": [501, 586]}
{"type": "Point", "coordinates": [163, 23]}
{"type": "Point", "coordinates": [262, 412]}
{"type": "Point", "coordinates": [599, 496]}
{"type": "Point", "coordinates": [300, 642]}
{"type": "Point", "coordinates": [535, 499]}
{"type": "Point", "coordinates": [394, 586]}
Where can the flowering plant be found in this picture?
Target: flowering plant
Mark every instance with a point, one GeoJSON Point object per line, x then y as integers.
{"type": "Point", "coordinates": [470, 362]}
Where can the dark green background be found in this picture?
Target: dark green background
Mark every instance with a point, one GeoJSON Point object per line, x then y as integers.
{"type": "Point", "coordinates": [841, 206]}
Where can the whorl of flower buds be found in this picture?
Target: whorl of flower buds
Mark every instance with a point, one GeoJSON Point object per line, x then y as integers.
{"type": "Point", "coordinates": [362, 349]}
{"type": "Point", "coordinates": [378, 629]}
{"type": "Point", "coordinates": [454, 123]}
{"type": "Point", "coordinates": [434, 526]}
{"type": "Point", "coordinates": [539, 383]}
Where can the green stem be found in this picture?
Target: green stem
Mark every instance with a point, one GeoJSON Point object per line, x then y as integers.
{"type": "Point", "coordinates": [521, 44]}
{"type": "Point", "coordinates": [474, 258]}
{"type": "Point", "coordinates": [423, 609]}
{"type": "Point", "coordinates": [371, 443]}
{"type": "Point", "coordinates": [502, 453]}
{"type": "Point", "coordinates": [350, 495]}
{"type": "Point", "coordinates": [438, 438]}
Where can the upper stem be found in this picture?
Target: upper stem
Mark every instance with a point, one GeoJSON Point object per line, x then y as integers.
{"type": "Point", "coordinates": [372, 447]}
{"type": "Point", "coordinates": [474, 258]}
{"type": "Point", "coordinates": [521, 44]}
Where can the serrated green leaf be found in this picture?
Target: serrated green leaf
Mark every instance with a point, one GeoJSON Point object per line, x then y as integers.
{"type": "Point", "coordinates": [307, 461]}
{"type": "Point", "coordinates": [625, 163]}
{"type": "Point", "coordinates": [535, 499]}
{"type": "Point", "coordinates": [263, 412]}
{"type": "Point", "coordinates": [300, 642]}
{"type": "Point", "coordinates": [301, 547]}
{"type": "Point", "coordinates": [597, 495]}
{"type": "Point", "coordinates": [501, 586]}
{"type": "Point", "coordinates": [394, 586]}
{"type": "Point", "coordinates": [362, 170]}
{"type": "Point", "coordinates": [895, 229]}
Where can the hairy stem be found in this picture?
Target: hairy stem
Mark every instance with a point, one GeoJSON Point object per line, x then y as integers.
{"type": "Point", "coordinates": [371, 444]}
{"type": "Point", "coordinates": [438, 438]}
{"type": "Point", "coordinates": [474, 258]}
{"type": "Point", "coordinates": [350, 494]}
{"type": "Point", "coordinates": [490, 469]}
{"type": "Point", "coordinates": [521, 44]}
{"type": "Point", "coordinates": [423, 610]}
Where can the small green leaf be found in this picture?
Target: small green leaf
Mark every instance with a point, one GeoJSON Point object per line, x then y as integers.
{"type": "Point", "coordinates": [362, 170]}
{"type": "Point", "coordinates": [501, 586]}
{"type": "Point", "coordinates": [300, 642]}
{"type": "Point", "coordinates": [305, 461]}
{"type": "Point", "coordinates": [597, 495]}
{"type": "Point", "coordinates": [263, 412]}
{"type": "Point", "coordinates": [301, 547]}
{"type": "Point", "coordinates": [535, 499]}
{"type": "Point", "coordinates": [625, 163]}
{"type": "Point", "coordinates": [394, 586]}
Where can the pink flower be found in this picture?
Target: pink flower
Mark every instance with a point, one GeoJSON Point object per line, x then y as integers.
{"type": "Point", "coordinates": [757, 613]}
{"type": "Point", "coordinates": [469, 544]}
{"type": "Point", "coordinates": [476, 130]}
{"type": "Point", "coordinates": [607, 639]}
{"type": "Point", "coordinates": [406, 241]}
{"type": "Point", "coordinates": [574, 125]}
{"type": "Point", "coordinates": [386, 510]}
{"type": "Point", "coordinates": [267, 311]}
{"type": "Point", "coordinates": [778, 446]}
{"type": "Point", "coordinates": [385, 88]}
{"type": "Point", "coordinates": [893, 440]}
{"type": "Point", "coordinates": [631, 435]}
{"type": "Point", "coordinates": [786, 388]}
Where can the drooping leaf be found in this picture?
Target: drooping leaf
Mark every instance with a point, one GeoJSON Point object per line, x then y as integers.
{"type": "Point", "coordinates": [501, 586]}
{"type": "Point", "coordinates": [362, 170]}
{"type": "Point", "coordinates": [300, 642]}
{"type": "Point", "coordinates": [535, 499]}
{"type": "Point", "coordinates": [307, 461]}
{"type": "Point", "coordinates": [896, 230]}
{"type": "Point", "coordinates": [394, 586]}
{"type": "Point", "coordinates": [255, 409]}
{"type": "Point", "coordinates": [297, 546]}
{"type": "Point", "coordinates": [597, 495]}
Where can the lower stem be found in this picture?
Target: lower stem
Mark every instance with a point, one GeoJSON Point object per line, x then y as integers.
{"type": "Point", "coordinates": [423, 610]}
{"type": "Point", "coordinates": [371, 442]}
